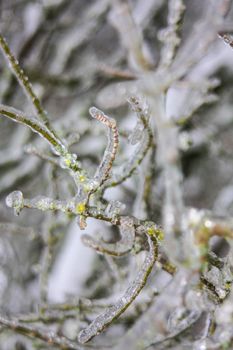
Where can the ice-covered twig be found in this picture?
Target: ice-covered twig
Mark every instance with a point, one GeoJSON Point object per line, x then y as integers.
{"type": "Point", "coordinates": [16, 201]}
{"type": "Point", "coordinates": [215, 292]}
{"type": "Point", "coordinates": [198, 94]}
{"type": "Point", "coordinates": [166, 264]}
{"type": "Point", "coordinates": [49, 337]}
{"type": "Point", "coordinates": [49, 224]}
{"type": "Point", "coordinates": [142, 133]}
{"type": "Point", "coordinates": [143, 123]}
{"type": "Point", "coordinates": [207, 98]}
{"type": "Point", "coordinates": [170, 35]}
{"type": "Point", "coordinates": [30, 149]}
{"type": "Point", "coordinates": [171, 340]}
{"type": "Point", "coordinates": [41, 127]}
{"type": "Point", "coordinates": [67, 160]}
{"type": "Point", "coordinates": [123, 246]}
{"type": "Point", "coordinates": [202, 36]}
{"type": "Point", "coordinates": [217, 276]}
{"type": "Point", "coordinates": [113, 312]}
{"type": "Point", "coordinates": [87, 186]}
{"type": "Point", "coordinates": [168, 161]}
{"type": "Point", "coordinates": [117, 74]}
{"type": "Point", "coordinates": [78, 34]}
{"type": "Point", "coordinates": [23, 169]}
{"type": "Point", "coordinates": [13, 229]}
{"type": "Point", "coordinates": [32, 123]}
{"type": "Point", "coordinates": [227, 37]}
{"type": "Point", "coordinates": [14, 152]}
{"type": "Point", "coordinates": [130, 34]}
{"type": "Point", "coordinates": [24, 82]}
{"type": "Point", "coordinates": [103, 171]}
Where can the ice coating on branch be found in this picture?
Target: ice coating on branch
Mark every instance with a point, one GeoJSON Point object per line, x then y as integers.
{"type": "Point", "coordinates": [130, 35]}
{"type": "Point", "coordinates": [42, 203]}
{"type": "Point", "coordinates": [113, 312]}
{"type": "Point", "coordinates": [103, 171]}
{"type": "Point", "coordinates": [219, 280]}
{"type": "Point", "coordinates": [137, 133]}
{"type": "Point", "coordinates": [68, 161]}
{"type": "Point", "coordinates": [121, 247]}
{"type": "Point", "coordinates": [180, 319]}
{"type": "Point", "coordinates": [15, 200]}
{"type": "Point", "coordinates": [113, 209]}
{"type": "Point", "coordinates": [88, 200]}
{"type": "Point", "coordinates": [170, 35]}
{"type": "Point", "coordinates": [194, 95]}
{"type": "Point", "coordinates": [142, 135]}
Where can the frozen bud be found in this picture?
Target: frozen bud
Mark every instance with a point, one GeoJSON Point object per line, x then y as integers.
{"type": "Point", "coordinates": [15, 200]}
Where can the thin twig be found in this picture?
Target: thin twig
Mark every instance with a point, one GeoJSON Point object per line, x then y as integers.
{"type": "Point", "coordinates": [105, 166]}
{"type": "Point", "coordinates": [122, 247]}
{"type": "Point", "coordinates": [24, 81]}
{"type": "Point", "coordinates": [113, 312]}
{"type": "Point", "coordinates": [146, 143]}
{"type": "Point", "coordinates": [49, 337]}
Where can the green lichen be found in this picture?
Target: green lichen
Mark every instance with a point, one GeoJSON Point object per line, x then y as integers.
{"type": "Point", "coordinates": [155, 232]}
{"type": "Point", "coordinates": [80, 208]}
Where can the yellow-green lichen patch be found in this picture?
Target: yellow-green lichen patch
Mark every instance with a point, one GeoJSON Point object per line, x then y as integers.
{"type": "Point", "coordinates": [67, 162]}
{"type": "Point", "coordinates": [156, 232]}
{"type": "Point", "coordinates": [228, 285]}
{"type": "Point", "coordinates": [80, 208]}
{"type": "Point", "coordinates": [82, 178]}
{"type": "Point", "coordinates": [86, 188]}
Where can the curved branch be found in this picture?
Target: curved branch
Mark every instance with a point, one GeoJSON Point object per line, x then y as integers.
{"type": "Point", "coordinates": [122, 247]}
{"type": "Point", "coordinates": [113, 312]}
{"type": "Point", "coordinates": [103, 171]}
